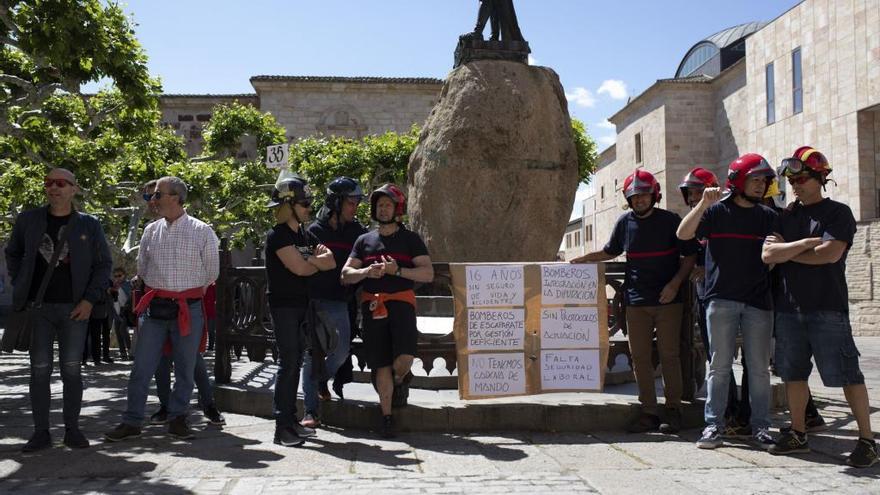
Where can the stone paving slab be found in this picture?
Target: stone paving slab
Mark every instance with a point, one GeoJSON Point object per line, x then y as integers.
{"type": "Point", "coordinates": [240, 458]}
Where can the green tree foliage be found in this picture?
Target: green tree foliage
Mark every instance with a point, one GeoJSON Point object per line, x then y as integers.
{"type": "Point", "coordinates": [586, 151]}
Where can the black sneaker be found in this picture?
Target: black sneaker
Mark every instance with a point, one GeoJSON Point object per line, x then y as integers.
{"type": "Point", "coordinates": [159, 417]}
{"type": "Point", "coordinates": [790, 442]}
{"type": "Point", "coordinates": [39, 440]}
{"type": "Point", "coordinates": [642, 423]}
{"type": "Point", "coordinates": [213, 415]}
{"type": "Point", "coordinates": [74, 439]}
{"type": "Point", "coordinates": [122, 432]}
{"type": "Point", "coordinates": [386, 429]}
{"type": "Point", "coordinates": [734, 430]}
{"type": "Point", "coordinates": [179, 428]}
{"type": "Point", "coordinates": [671, 421]}
{"type": "Point", "coordinates": [310, 420]}
{"type": "Point", "coordinates": [337, 389]}
{"type": "Point", "coordinates": [864, 455]}
{"type": "Point", "coordinates": [303, 431]}
{"type": "Point", "coordinates": [287, 437]}
{"type": "Point", "coordinates": [710, 438]}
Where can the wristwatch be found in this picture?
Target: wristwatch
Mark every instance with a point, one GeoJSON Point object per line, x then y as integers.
{"type": "Point", "coordinates": [397, 273]}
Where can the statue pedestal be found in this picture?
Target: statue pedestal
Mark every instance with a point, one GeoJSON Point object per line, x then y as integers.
{"type": "Point", "coordinates": [471, 48]}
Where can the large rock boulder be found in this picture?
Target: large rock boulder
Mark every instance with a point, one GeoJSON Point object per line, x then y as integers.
{"type": "Point", "coordinates": [494, 175]}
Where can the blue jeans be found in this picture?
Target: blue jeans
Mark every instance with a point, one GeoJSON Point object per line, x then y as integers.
{"type": "Point", "coordinates": [725, 320]}
{"type": "Point", "coordinates": [335, 313]}
{"type": "Point", "coordinates": [200, 376]}
{"type": "Point", "coordinates": [289, 339]}
{"type": "Point", "coordinates": [151, 339]}
{"type": "Point", "coordinates": [53, 320]}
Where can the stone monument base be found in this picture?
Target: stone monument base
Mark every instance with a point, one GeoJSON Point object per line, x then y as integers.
{"type": "Point", "coordinates": [471, 47]}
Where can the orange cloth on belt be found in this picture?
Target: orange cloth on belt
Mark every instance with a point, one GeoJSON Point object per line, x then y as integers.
{"type": "Point", "coordinates": [183, 317]}
{"type": "Point", "coordinates": [377, 301]}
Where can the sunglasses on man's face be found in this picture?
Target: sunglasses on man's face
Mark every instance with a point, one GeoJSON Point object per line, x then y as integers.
{"type": "Point", "coordinates": [156, 195]}
{"type": "Point", "coordinates": [59, 183]}
{"type": "Point", "coordinates": [305, 203]}
{"type": "Point", "coordinates": [798, 180]}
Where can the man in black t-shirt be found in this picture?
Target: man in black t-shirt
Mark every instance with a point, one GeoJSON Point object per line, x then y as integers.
{"type": "Point", "coordinates": [812, 303]}
{"type": "Point", "coordinates": [737, 291]}
{"type": "Point", "coordinates": [78, 280]}
{"type": "Point", "coordinates": [337, 228]}
{"type": "Point", "coordinates": [389, 260]}
{"type": "Point", "coordinates": [655, 270]}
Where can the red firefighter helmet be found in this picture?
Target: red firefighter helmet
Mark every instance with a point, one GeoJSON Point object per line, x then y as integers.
{"type": "Point", "coordinates": [698, 178]}
{"type": "Point", "coordinates": [641, 182]}
{"type": "Point", "coordinates": [805, 159]}
{"type": "Point", "coordinates": [748, 165]}
{"type": "Point", "coordinates": [396, 196]}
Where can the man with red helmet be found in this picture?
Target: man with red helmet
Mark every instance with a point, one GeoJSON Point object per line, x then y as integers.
{"type": "Point", "coordinates": [737, 290]}
{"type": "Point", "coordinates": [655, 270]}
{"type": "Point", "coordinates": [389, 260]}
{"type": "Point", "coordinates": [738, 411]}
{"type": "Point", "coordinates": [812, 303]}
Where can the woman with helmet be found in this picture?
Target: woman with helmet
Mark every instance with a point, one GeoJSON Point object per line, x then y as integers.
{"type": "Point", "coordinates": [389, 260]}
{"type": "Point", "coordinates": [336, 227]}
{"type": "Point", "coordinates": [292, 256]}
{"type": "Point", "coordinates": [656, 265]}
{"type": "Point", "coordinates": [812, 303]}
{"type": "Point", "coordinates": [737, 291]}
{"type": "Point", "coordinates": [738, 414]}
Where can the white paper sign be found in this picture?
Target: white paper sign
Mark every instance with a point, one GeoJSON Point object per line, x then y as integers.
{"type": "Point", "coordinates": [497, 374]}
{"type": "Point", "coordinates": [496, 329]}
{"type": "Point", "coordinates": [567, 370]}
{"type": "Point", "coordinates": [494, 285]}
{"type": "Point", "coordinates": [568, 283]}
{"type": "Point", "coordinates": [569, 328]}
{"type": "Point", "coordinates": [277, 156]}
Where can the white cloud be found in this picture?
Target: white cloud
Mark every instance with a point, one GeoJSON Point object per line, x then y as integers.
{"type": "Point", "coordinates": [532, 60]}
{"type": "Point", "coordinates": [606, 124]}
{"type": "Point", "coordinates": [606, 141]}
{"type": "Point", "coordinates": [615, 88]}
{"type": "Point", "coordinates": [582, 97]}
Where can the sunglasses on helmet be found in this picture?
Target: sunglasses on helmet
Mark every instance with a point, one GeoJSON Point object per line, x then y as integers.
{"type": "Point", "coordinates": [791, 166]}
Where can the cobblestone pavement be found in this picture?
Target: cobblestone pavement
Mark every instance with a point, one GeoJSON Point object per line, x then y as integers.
{"type": "Point", "coordinates": [241, 459]}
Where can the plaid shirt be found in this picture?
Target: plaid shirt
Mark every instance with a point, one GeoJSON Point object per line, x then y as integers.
{"type": "Point", "coordinates": [180, 255]}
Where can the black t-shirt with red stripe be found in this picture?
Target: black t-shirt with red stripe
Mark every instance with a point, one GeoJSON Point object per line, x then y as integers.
{"type": "Point", "coordinates": [735, 235]}
{"type": "Point", "coordinates": [807, 288]}
{"type": "Point", "coordinates": [403, 246]}
{"type": "Point", "coordinates": [326, 285]}
{"type": "Point", "coordinates": [652, 253]}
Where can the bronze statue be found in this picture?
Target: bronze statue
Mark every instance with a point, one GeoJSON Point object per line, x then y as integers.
{"type": "Point", "coordinates": [503, 18]}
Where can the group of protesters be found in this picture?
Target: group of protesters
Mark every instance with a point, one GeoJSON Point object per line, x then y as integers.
{"type": "Point", "coordinates": [761, 272]}
{"type": "Point", "coordinates": [60, 264]}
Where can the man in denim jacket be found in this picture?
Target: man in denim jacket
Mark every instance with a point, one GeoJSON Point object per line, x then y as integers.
{"type": "Point", "coordinates": [79, 279]}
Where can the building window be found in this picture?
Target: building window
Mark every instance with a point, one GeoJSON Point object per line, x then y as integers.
{"type": "Point", "coordinates": [589, 233]}
{"type": "Point", "coordinates": [567, 241]}
{"type": "Point", "coordinates": [615, 184]}
{"type": "Point", "coordinates": [577, 239]}
{"type": "Point", "coordinates": [771, 98]}
{"type": "Point", "coordinates": [602, 192]}
{"type": "Point", "coordinates": [797, 83]}
{"type": "Point", "coordinates": [638, 148]}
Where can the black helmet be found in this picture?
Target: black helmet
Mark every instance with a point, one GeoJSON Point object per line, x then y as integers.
{"type": "Point", "coordinates": [293, 190]}
{"type": "Point", "coordinates": [341, 188]}
{"type": "Point", "coordinates": [396, 196]}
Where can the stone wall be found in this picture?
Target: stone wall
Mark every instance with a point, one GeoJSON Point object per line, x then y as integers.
{"type": "Point", "coordinates": [863, 283]}
{"type": "Point", "coordinates": [188, 115]}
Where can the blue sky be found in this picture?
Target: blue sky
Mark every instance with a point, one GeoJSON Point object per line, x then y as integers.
{"type": "Point", "coordinates": [603, 51]}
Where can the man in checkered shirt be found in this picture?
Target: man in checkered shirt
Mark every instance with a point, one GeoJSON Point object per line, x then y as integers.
{"type": "Point", "coordinates": [178, 258]}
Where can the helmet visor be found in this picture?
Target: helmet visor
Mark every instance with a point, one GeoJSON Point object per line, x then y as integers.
{"type": "Point", "coordinates": [791, 166]}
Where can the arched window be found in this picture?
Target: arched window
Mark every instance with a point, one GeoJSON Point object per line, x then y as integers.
{"type": "Point", "coordinates": [698, 57]}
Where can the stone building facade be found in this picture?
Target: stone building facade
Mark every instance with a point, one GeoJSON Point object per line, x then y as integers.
{"type": "Point", "coordinates": [810, 76]}
{"type": "Point", "coordinates": [306, 106]}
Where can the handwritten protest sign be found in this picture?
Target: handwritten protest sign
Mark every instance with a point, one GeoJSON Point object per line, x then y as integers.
{"type": "Point", "coordinates": [529, 328]}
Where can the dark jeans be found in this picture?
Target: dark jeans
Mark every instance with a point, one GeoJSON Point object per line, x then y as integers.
{"type": "Point", "coordinates": [122, 335]}
{"type": "Point", "coordinates": [200, 376]}
{"type": "Point", "coordinates": [51, 321]}
{"type": "Point", "coordinates": [289, 339]}
{"type": "Point", "coordinates": [99, 338]}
